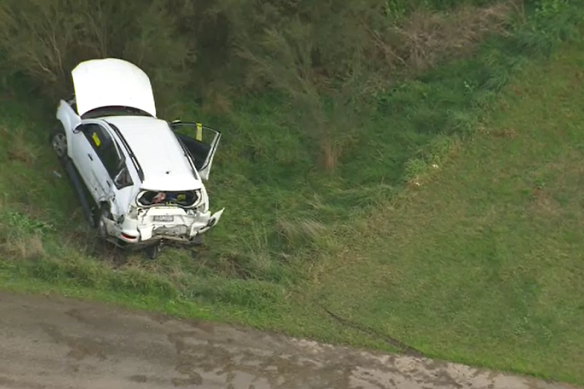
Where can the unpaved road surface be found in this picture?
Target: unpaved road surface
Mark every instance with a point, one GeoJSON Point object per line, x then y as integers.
{"type": "Point", "coordinates": [56, 343]}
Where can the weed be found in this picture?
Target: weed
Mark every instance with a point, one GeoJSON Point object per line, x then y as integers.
{"type": "Point", "coordinates": [28, 247]}
{"type": "Point", "coordinates": [301, 232]}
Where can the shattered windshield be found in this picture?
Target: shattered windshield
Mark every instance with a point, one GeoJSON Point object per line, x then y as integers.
{"type": "Point", "coordinates": [182, 198]}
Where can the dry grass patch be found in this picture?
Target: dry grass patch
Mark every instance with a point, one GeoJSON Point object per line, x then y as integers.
{"type": "Point", "coordinates": [29, 247]}
{"type": "Point", "coordinates": [297, 230]}
{"type": "Point", "coordinates": [427, 37]}
{"type": "Point", "coordinates": [22, 149]}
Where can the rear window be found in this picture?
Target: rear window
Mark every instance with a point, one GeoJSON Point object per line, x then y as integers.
{"type": "Point", "coordinates": [182, 198]}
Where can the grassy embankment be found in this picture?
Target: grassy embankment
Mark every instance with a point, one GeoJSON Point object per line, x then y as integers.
{"type": "Point", "coordinates": [478, 260]}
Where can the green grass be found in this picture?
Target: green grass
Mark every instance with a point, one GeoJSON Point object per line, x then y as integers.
{"type": "Point", "coordinates": [484, 264]}
{"type": "Point", "coordinates": [479, 263]}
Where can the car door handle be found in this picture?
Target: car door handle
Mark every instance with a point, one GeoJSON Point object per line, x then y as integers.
{"type": "Point", "coordinates": [108, 183]}
{"type": "Point", "coordinates": [90, 157]}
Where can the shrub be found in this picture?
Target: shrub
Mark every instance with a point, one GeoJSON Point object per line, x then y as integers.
{"type": "Point", "coordinates": [325, 58]}
{"type": "Point", "coordinates": [45, 39]}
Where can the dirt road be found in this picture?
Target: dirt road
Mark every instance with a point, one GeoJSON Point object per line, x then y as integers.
{"type": "Point", "coordinates": [55, 343]}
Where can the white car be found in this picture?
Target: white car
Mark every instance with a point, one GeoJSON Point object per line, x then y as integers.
{"type": "Point", "coordinates": [143, 174]}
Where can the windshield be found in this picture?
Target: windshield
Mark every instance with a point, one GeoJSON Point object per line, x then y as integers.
{"type": "Point", "coordinates": [114, 111]}
{"type": "Point", "coordinates": [186, 198]}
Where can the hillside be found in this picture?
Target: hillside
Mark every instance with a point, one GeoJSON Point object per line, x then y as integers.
{"type": "Point", "coordinates": [484, 263]}
{"type": "Point", "coordinates": [441, 217]}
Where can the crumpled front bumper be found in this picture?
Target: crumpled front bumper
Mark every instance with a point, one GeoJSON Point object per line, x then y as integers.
{"type": "Point", "coordinates": [184, 233]}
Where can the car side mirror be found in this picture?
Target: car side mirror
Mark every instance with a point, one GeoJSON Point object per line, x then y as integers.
{"type": "Point", "coordinates": [122, 178]}
{"type": "Point", "coordinates": [118, 178]}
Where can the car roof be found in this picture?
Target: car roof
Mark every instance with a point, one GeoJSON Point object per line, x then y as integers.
{"type": "Point", "coordinates": [158, 151]}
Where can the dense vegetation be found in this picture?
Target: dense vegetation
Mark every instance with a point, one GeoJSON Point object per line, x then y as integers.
{"type": "Point", "coordinates": [330, 110]}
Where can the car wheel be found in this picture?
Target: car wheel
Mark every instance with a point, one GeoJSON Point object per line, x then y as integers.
{"type": "Point", "coordinates": [59, 143]}
{"type": "Point", "coordinates": [103, 214]}
{"type": "Point", "coordinates": [153, 251]}
{"type": "Point", "coordinates": [198, 240]}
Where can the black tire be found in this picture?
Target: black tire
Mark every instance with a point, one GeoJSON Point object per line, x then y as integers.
{"type": "Point", "coordinates": [153, 251]}
{"type": "Point", "coordinates": [58, 141]}
{"type": "Point", "coordinates": [104, 213]}
{"type": "Point", "coordinates": [198, 241]}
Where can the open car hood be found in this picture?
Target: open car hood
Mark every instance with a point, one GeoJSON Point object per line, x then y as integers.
{"type": "Point", "coordinates": [112, 82]}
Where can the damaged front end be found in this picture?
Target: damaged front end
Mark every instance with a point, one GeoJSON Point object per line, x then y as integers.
{"type": "Point", "coordinates": [174, 217]}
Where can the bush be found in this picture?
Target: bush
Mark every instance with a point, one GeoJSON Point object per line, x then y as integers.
{"type": "Point", "coordinates": [323, 57]}
{"type": "Point", "coordinates": [45, 39]}
{"type": "Point", "coordinates": [324, 61]}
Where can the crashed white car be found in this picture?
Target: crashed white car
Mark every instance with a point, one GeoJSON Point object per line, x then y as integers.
{"type": "Point", "coordinates": [143, 175]}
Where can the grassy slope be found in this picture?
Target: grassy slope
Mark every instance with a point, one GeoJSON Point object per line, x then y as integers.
{"type": "Point", "coordinates": [485, 263]}
{"type": "Point", "coordinates": [284, 247]}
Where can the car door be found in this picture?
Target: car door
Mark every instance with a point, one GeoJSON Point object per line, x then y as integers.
{"type": "Point", "coordinates": [201, 142]}
{"type": "Point", "coordinates": [84, 157]}
{"type": "Point", "coordinates": [105, 159]}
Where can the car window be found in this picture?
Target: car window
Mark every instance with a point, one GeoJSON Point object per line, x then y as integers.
{"type": "Point", "coordinates": [97, 136]}
{"type": "Point", "coordinates": [108, 152]}
{"type": "Point", "coordinates": [110, 158]}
